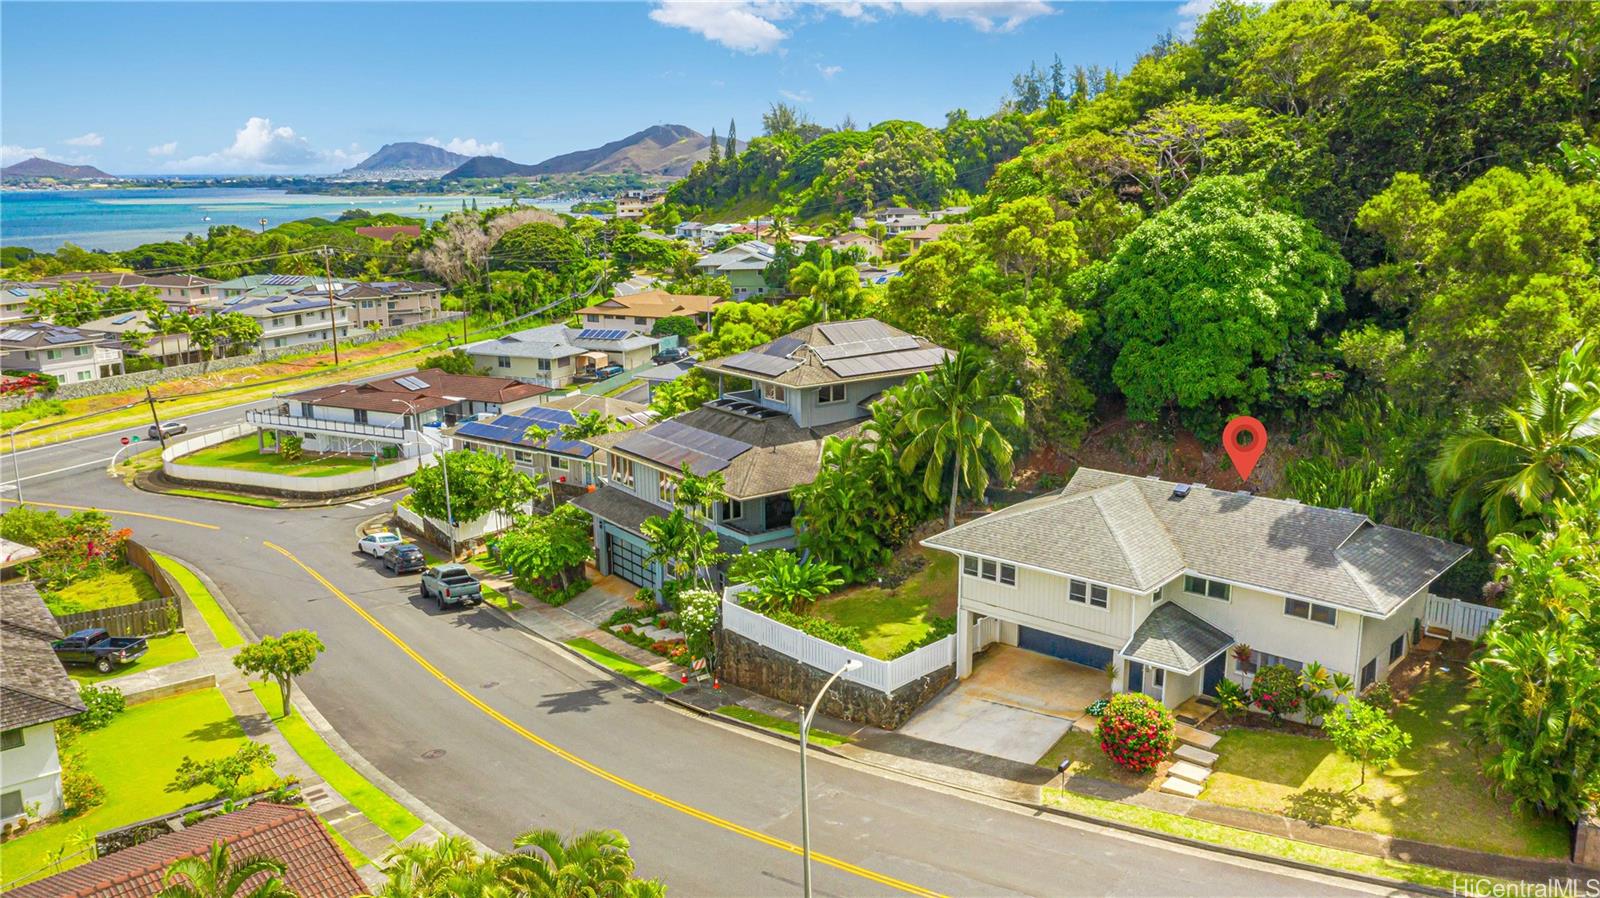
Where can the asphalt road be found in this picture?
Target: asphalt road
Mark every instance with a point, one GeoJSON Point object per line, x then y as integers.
{"type": "Point", "coordinates": [500, 733]}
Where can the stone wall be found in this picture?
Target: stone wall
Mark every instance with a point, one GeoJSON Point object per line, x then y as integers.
{"type": "Point", "coordinates": [745, 662]}
{"type": "Point", "coordinates": [120, 382]}
{"type": "Point", "coordinates": [1586, 841]}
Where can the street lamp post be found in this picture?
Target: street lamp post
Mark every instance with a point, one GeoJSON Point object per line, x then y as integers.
{"type": "Point", "coordinates": [805, 801]}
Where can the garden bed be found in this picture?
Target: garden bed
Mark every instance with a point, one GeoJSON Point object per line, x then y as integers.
{"type": "Point", "coordinates": [893, 620]}
{"type": "Point", "coordinates": [121, 584]}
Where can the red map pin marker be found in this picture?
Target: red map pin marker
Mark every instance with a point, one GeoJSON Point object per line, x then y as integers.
{"type": "Point", "coordinates": [1245, 439]}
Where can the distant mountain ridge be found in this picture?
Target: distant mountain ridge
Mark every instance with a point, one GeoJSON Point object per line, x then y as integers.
{"type": "Point", "coordinates": [38, 167]}
{"type": "Point", "coordinates": [408, 158]}
{"type": "Point", "coordinates": [670, 150]}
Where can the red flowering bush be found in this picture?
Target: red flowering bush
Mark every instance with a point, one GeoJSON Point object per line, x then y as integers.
{"type": "Point", "coordinates": [1136, 731]}
{"type": "Point", "coordinates": [1277, 691]}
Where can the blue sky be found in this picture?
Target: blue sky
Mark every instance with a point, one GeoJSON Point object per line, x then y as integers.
{"type": "Point", "coordinates": [138, 88]}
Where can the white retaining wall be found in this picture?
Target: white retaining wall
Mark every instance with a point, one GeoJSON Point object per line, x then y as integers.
{"type": "Point", "coordinates": [332, 485]}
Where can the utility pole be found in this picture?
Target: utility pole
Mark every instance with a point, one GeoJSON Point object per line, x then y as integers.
{"type": "Point", "coordinates": [333, 318]}
{"type": "Point", "coordinates": [160, 434]}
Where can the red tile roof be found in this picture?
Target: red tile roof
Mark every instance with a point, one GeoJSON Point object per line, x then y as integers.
{"type": "Point", "coordinates": [316, 866]}
{"type": "Point", "coordinates": [389, 232]}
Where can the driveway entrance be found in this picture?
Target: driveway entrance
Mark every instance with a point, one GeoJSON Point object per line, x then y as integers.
{"type": "Point", "coordinates": [1015, 705]}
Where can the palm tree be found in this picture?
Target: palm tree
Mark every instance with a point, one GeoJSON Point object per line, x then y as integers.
{"type": "Point", "coordinates": [593, 864]}
{"type": "Point", "coordinates": [425, 869]}
{"type": "Point", "coordinates": [1535, 453]}
{"type": "Point", "coordinates": [590, 424]}
{"type": "Point", "coordinates": [829, 287]}
{"type": "Point", "coordinates": [951, 414]}
{"type": "Point", "coordinates": [216, 876]}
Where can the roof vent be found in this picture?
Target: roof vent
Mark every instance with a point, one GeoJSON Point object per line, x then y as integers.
{"type": "Point", "coordinates": [1152, 477]}
{"type": "Point", "coordinates": [1180, 490]}
{"type": "Point", "coordinates": [1345, 509]}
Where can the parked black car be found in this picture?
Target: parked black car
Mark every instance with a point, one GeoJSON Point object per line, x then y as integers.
{"type": "Point", "coordinates": [96, 646]}
{"type": "Point", "coordinates": [675, 354]}
{"type": "Point", "coordinates": [404, 559]}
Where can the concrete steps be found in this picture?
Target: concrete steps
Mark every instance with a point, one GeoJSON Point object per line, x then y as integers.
{"type": "Point", "coordinates": [1193, 773]}
{"type": "Point", "coordinates": [1193, 755]}
{"type": "Point", "coordinates": [1201, 739]}
{"type": "Point", "coordinates": [1174, 786]}
{"type": "Point", "coordinates": [1193, 760]}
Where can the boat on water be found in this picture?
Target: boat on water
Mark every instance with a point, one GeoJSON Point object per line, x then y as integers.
{"type": "Point", "coordinates": [206, 218]}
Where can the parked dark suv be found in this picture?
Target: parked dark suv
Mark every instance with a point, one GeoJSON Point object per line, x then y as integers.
{"type": "Point", "coordinates": [675, 354]}
{"type": "Point", "coordinates": [404, 559]}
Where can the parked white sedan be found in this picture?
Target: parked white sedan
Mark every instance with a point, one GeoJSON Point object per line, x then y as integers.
{"type": "Point", "coordinates": [376, 544]}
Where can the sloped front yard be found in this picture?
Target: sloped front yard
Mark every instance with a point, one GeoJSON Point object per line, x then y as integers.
{"type": "Point", "coordinates": [1434, 794]}
{"type": "Point", "coordinates": [893, 620]}
{"type": "Point", "coordinates": [244, 454]}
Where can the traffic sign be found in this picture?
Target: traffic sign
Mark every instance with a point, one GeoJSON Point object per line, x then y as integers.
{"type": "Point", "coordinates": [125, 441]}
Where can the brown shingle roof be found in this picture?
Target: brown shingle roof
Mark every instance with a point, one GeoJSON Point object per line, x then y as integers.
{"type": "Point", "coordinates": [653, 304]}
{"type": "Point", "coordinates": [316, 866]}
{"type": "Point", "coordinates": [34, 687]}
{"type": "Point", "coordinates": [381, 395]}
{"type": "Point", "coordinates": [389, 232]}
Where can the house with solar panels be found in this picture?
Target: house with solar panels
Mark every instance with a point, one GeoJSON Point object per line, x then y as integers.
{"type": "Point", "coordinates": [14, 297]}
{"type": "Point", "coordinates": [293, 320]}
{"type": "Point", "coordinates": [69, 354]}
{"type": "Point", "coordinates": [556, 355]}
{"type": "Point", "coordinates": [744, 266]}
{"type": "Point", "coordinates": [531, 438]}
{"type": "Point", "coordinates": [177, 291]}
{"type": "Point", "coordinates": [138, 340]}
{"type": "Point", "coordinates": [764, 433]}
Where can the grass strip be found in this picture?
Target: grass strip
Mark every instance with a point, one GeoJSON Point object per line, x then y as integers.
{"type": "Point", "coordinates": [388, 814]}
{"type": "Point", "coordinates": [633, 671]}
{"type": "Point", "coordinates": [257, 501]}
{"type": "Point", "coordinates": [499, 599]}
{"type": "Point", "coordinates": [779, 725]}
{"type": "Point", "coordinates": [210, 611]}
{"type": "Point", "coordinates": [1272, 846]}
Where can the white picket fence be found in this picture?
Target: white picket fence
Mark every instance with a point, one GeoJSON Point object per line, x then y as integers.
{"type": "Point", "coordinates": [886, 676]}
{"type": "Point", "coordinates": [1464, 620]}
{"type": "Point", "coordinates": [488, 525]}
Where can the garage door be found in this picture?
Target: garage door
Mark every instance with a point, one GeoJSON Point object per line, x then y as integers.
{"type": "Point", "coordinates": [627, 561]}
{"type": "Point", "coordinates": [1075, 650]}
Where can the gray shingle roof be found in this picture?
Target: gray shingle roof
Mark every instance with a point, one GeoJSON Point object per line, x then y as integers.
{"type": "Point", "coordinates": [833, 352]}
{"type": "Point", "coordinates": [1174, 638]}
{"type": "Point", "coordinates": [1093, 528]}
{"type": "Point", "coordinates": [36, 687]}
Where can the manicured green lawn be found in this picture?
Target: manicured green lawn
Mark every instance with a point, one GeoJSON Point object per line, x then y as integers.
{"type": "Point", "coordinates": [134, 758]}
{"type": "Point", "coordinates": [814, 735]}
{"type": "Point", "coordinates": [257, 501]}
{"type": "Point", "coordinates": [243, 454]}
{"type": "Point", "coordinates": [388, 814]}
{"type": "Point", "coordinates": [114, 586]}
{"type": "Point", "coordinates": [164, 650]}
{"type": "Point", "coordinates": [499, 599]}
{"type": "Point", "coordinates": [1089, 760]}
{"type": "Point", "coordinates": [1434, 793]}
{"type": "Point", "coordinates": [889, 620]}
{"type": "Point", "coordinates": [214, 618]}
{"type": "Point", "coordinates": [1273, 846]}
{"type": "Point", "coordinates": [638, 673]}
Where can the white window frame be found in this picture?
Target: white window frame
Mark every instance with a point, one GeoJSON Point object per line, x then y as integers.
{"type": "Point", "coordinates": [1259, 660]}
{"type": "Point", "coordinates": [1082, 592]}
{"type": "Point", "coordinates": [502, 361]}
{"type": "Point", "coordinates": [837, 391]}
{"type": "Point", "coordinates": [1311, 608]}
{"type": "Point", "coordinates": [732, 510]}
{"type": "Point", "coordinates": [621, 468]}
{"type": "Point", "coordinates": [775, 393]}
{"type": "Point", "coordinates": [1157, 682]}
{"type": "Point", "coordinates": [1001, 572]}
{"type": "Point", "coordinates": [1206, 584]}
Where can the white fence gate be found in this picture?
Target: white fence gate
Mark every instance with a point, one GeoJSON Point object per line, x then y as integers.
{"type": "Point", "coordinates": [1464, 620]}
{"type": "Point", "coordinates": [886, 676]}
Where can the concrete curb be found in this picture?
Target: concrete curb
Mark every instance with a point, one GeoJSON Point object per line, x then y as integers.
{"type": "Point", "coordinates": [154, 482]}
{"type": "Point", "coordinates": [1038, 807]}
{"type": "Point", "coordinates": [325, 730]}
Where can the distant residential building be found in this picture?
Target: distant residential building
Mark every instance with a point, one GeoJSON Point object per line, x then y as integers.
{"type": "Point", "coordinates": [660, 375]}
{"type": "Point", "coordinates": [905, 224]}
{"type": "Point", "coordinates": [743, 266]}
{"type": "Point", "coordinates": [37, 693]}
{"type": "Point", "coordinates": [14, 298]}
{"type": "Point", "coordinates": [869, 246]}
{"type": "Point", "coordinates": [177, 291]}
{"type": "Point", "coordinates": [392, 416]}
{"type": "Point", "coordinates": [635, 203]}
{"type": "Point", "coordinates": [293, 320]}
{"type": "Point", "coordinates": [69, 354]}
{"type": "Point", "coordinates": [555, 355]}
{"type": "Point", "coordinates": [894, 213]}
{"type": "Point", "coordinates": [925, 235]}
{"type": "Point", "coordinates": [561, 461]}
{"type": "Point", "coordinates": [133, 334]}
{"type": "Point", "coordinates": [314, 866]}
{"type": "Point", "coordinates": [265, 285]}
{"type": "Point", "coordinates": [389, 232]}
{"type": "Point", "coordinates": [383, 303]}
{"type": "Point", "coordinates": [949, 211]}
{"type": "Point", "coordinates": [688, 230]}
{"type": "Point", "coordinates": [640, 311]}
{"type": "Point", "coordinates": [711, 234]}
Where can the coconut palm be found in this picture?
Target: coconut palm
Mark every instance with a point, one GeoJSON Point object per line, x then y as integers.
{"type": "Point", "coordinates": [217, 876]}
{"type": "Point", "coordinates": [1534, 452]}
{"type": "Point", "coordinates": [425, 869]}
{"type": "Point", "coordinates": [593, 864]}
{"type": "Point", "coordinates": [590, 424]}
{"type": "Point", "coordinates": [953, 415]}
{"type": "Point", "coordinates": [830, 288]}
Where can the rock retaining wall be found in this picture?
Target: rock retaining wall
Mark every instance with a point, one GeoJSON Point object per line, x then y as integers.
{"type": "Point", "coordinates": [1586, 842]}
{"type": "Point", "coordinates": [745, 662]}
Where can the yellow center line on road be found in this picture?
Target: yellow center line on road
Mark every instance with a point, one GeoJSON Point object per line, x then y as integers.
{"type": "Point", "coordinates": [608, 776]}
{"type": "Point", "coordinates": [133, 514]}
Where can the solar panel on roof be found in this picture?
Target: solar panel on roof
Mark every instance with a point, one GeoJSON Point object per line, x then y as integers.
{"type": "Point", "coordinates": [412, 383]}
{"type": "Point", "coordinates": [64, 338]}
{"type": "Point", "coordinates": [672, 444]}
{"type": "Point", "coordinates": [16, 334]}
{"type": "Point", "coordinates": [855, 331]}
{"type": "Point", "coordinates": [866, 347]}
{"type": "Point", "coordinates": [714, 444]}
{"type": "Point", "coordinates": [124, 319]}
{"type": "Point", "coordinates": [885, 362]}
{"type": "Point", "coordinates": [19, 291]}
{"type": "Point", "coordinates": [601, 334]}
{"type": "Point", "coordinates": [783, 346]}
{"type": "Point", "coordinates": [283, 280]}
{"type": "Point", "coordinates": [760, 363]}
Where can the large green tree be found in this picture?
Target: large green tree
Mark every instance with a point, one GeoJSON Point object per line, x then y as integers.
{"type": "Point", "coordinates": [1202, 298]}
{"type": "Point", "coordinates": [956, 417]}
{"type": "Point", "coordinates": [480, 482]}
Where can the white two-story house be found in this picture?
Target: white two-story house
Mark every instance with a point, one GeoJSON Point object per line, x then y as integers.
{"type": "Point", "coordinates": [764, 434]}
{"type": "Point", "coordinates": [293, 320]}
{"type": "Point", "coordinates": [1160, 582]}
{"type": "Point", "coordinates": [69, 354]}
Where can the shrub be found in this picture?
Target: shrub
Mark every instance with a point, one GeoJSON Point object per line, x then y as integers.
{"type": "Point", "coordinates": [698, 610]}
{"type": "Point", "coordinates": [291, 447]}
{"type": "Point", "coordinates": [825, 630]}
{"type": "Point", "coordinates": [1380, 695]}
{"type": "Point", "coordinates": [1231, 697]}
{"type": "Point", "coordinates": [101, 705]}
{"type": "Point", "coordinates": [80, 791]}
{"type": "Point", "coordinates": [1276, 690]}
{"type": "Point", "coordinates": [1136, 731]}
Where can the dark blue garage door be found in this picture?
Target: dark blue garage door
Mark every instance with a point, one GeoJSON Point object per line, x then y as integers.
{"type": "Point", "coordinates": [1075, 650]}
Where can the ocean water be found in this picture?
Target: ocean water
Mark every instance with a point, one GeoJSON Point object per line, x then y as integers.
{"type": "Point", "coordinates": [123, 219]}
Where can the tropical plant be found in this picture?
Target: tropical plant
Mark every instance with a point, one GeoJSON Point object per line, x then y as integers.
{"type": "Point", "coordinates": [596, 862]}
{"type": "Point", "coordinates": [280, 658]}
{"type": "Point", "coordinates": [549, 546]}
{"type": "Point", "coordinates": [1136, 732]}
{"type": "Point", "coordinates": [590, 424]}
{"type": "Point", "coordinates": [101, 705]}
{"type": "Point", "coordinates": [782, 582]}
{"type": "Point", "coordinates": [226, 774]}
{"type": "Point", "coordinates": [1231, 697]}
{"type": "Point", "coordinates": [833, 290]}
{"type": "Point", "coordinates": [1532, 454]}
{"type": "Point", "coordinates": [218, 875]}
{"type": "Point", "coordinates": [1367, 735]}
{"type": "Point", "coordinates": [954, 415]}
{"type": "Point", "coordinates": [1276, 690]}
{"type": "Point", "coordinates": [479, 483]}
{"type": "Point", "coordinates": [698, 613]}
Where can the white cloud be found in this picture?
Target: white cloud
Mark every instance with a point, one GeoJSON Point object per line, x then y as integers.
{"type": "Point", "coordinates": [467, 146]}
{"type": "Point", "coordinates": [164, 149]}
{"type": "Point", "coordinates": [750, 26]}
{"type": "Point", "coordinates": [828, 71]}
{"type": "Point", "coordinates": [260, 146]}
{"type": "Point", "coordinates": [85, 140]}
{"type": "Point", "coordinates": [743, 25]}
{"type": "Point", "coordinates": [799, 96]}
{"type": "Point", "coordinates": [10, 153]}
{"type": "Point", "coordinates": [1192, 11]}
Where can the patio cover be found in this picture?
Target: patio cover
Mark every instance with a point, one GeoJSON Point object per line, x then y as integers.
{"type": "Point", "coordinates": [1173, 638]}
{"type": "Point", "coordinates": [598, 358]}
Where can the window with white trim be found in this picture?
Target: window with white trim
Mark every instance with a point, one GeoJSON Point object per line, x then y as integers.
{"type": "Point", "coordinates": [969, 565]}
{"type": "Point", "coordinates": [830, 394]}
{"type": "Point", "coordinates": [621, 469]}
{"type": "Point", "coordinates": [732, 509]}
{"type": "Point", "coordinates": [988, 569]}
{"type": "Point", "coordinates": [1310, 611]}
{"type": "Point", "coordinates": [1084, 593]}
{"type": "Point", "coordinates": [1200, 586]}
{"type": "Point", "coordinates": [1158, 683]}
{"type": "Point", "coordinates": [1397, 649]}
{"type": "Point", "coordinates": [774, 393]}
{"type": "Point", "coordinates": [502, 361]}
{"type": "Point", "coordinates": [1259, 660]}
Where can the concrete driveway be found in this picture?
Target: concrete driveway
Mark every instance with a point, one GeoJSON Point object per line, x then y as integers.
{"type": "Point", "coordinates": [1015, 705]}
